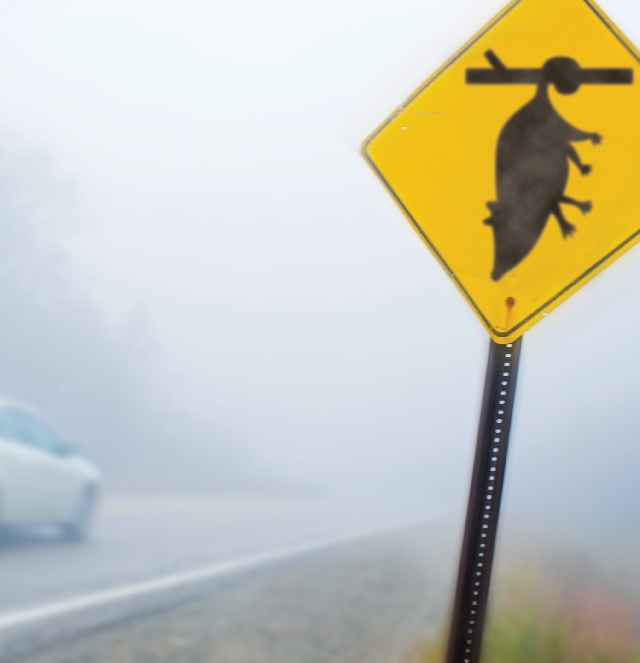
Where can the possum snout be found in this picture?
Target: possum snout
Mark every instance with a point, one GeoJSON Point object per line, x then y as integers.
{"type": "Point", "coordinates": [514, 237]}
{"type": "Point", "coordinates": [497, 221]}
{"type": "Point", "coordinates": [498, 273]}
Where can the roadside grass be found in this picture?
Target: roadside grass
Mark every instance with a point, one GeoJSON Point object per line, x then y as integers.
{"type": "Point", "coordinates": [536, 639]}
{"type": "Point", "coordinates": [555, 617]}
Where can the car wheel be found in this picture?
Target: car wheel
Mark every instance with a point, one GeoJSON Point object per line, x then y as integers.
{"type": "Point", "coordinates": [78, 529]}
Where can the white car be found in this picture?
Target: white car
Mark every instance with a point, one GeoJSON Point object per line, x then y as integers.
{"type": "Point", "coordinates": [42, 480]}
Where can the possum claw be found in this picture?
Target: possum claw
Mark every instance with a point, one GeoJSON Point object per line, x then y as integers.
{"type": "Point", "coordinates": [586, 169]}
{"type": "Point", "coordinates": [596, 139]}
{"type": "Point", "coordinates": [585, 208]}
{"type": "Point", "coordinates": [568, 229]}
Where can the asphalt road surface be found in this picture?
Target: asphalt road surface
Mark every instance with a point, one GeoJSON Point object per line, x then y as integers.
{"type": "Point", "coordinates": [229, 580]}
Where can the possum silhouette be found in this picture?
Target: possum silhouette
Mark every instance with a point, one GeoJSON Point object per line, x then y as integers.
{"type": "Point", "coordinates": [534, 152]}
{"type": "Point", "coordinates": [532, 169]}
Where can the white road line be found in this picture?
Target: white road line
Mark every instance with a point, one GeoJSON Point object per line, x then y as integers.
{"type": "Point", "coordinates": [110, 596]}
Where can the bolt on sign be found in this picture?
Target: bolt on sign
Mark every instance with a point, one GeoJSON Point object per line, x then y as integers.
{"type": "Point", "coordinates": [517, 162]}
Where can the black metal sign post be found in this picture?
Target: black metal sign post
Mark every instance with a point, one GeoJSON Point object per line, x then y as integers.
{"type": "Point", "coordinates": [474, 575]}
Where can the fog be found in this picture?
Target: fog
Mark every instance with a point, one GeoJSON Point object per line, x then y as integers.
{"type": "Point", "coordinates": [204, 286]}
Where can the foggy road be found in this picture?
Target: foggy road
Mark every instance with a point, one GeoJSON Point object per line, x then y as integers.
{"type": "Point", "coordinates": [204, 289]}
{"type": "Point", "coordinates": [146, 540]}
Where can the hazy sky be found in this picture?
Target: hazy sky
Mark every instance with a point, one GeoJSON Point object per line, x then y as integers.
{"type": "Point", "coordinates": [213, 148]}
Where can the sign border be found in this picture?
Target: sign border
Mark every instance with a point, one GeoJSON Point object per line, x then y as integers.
{"type": "Point", "coordinates": [517, 330]}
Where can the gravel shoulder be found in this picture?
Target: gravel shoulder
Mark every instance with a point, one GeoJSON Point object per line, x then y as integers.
{"type": "Point", "coordinates": [373, 601]}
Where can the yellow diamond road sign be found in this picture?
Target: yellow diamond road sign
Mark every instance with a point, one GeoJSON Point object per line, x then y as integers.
{"type": "Point", "coordinates": [518, 161]}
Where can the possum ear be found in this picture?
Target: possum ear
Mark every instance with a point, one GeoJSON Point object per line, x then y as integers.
{"type": "Point", "coordinates": [493, 208]}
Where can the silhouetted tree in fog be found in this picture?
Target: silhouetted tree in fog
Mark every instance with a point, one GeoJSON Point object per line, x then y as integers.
{"type": "Point", "coordinates": [108, 391]}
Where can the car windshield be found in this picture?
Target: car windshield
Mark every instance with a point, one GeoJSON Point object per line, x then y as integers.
{"type": "Point", "coordinates": [22, 426]}
{"type": "Point", "coordinates": [11, 425]}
